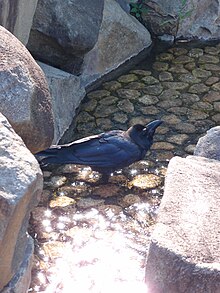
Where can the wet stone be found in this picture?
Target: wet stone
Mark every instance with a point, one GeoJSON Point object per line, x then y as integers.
{"type": "Point", "coordinates": [73, 191]}
{"type": "Point", "coordinates": [54, 249]}
{"type": "Point", "coordinates": [209, 59]}
{"type": "Point", "coordinates": [61, 201]}
{"type": "Point", "coordinates": [140, 166]}
{"type": "Point", "coordinates": [98, 94]}
{"type": "Point", "coordinates": [103, 111]}
{"type": "Point", "coordinates": [135, 85]}
{"type": "Point", "coordinates": [216, 118]}
{"type": "Point", "coordinates": [89, 106]}
{"type": "Point", "coordinates": [112, 85]}
{"type": "Point", "coordinates": [107, 190]}
{"type": "Point", "coordinates": [217, 106]}
{"type": "Point", "coordinates": [189, 78]}
{"type": "Point", "coordinates": [85, 203]}
{"type": "Point", "coordinates": [212, 67]}
{"type": "Point", "coordinates": [162, 145]}
{"type": "Point", "coordinates": [169, 103]}
{"type": "Point", "coordinates": [182, 59]}
{"type": "Point", "coordinates": [196, 115]}
{"type": "Point", "coordinates": [128, 94]}
{"type": "Point", "coordinates": [148, 100]}
{"type": "Point", "coordinates": [84, 117]}
{"type": "Point", "coordinates": [160, 66]}
{"type": "Point", "coordinates": [150, 80]}
{"type": "Point", "coordinates": [189, 99]}
{"type": "Point", "coordinates": [184, 127]}
{"type": "Point", "coordinates": [129, 200]}
{"type": "Point", "coordinates": [126, 106]}
{"type": "Point", "coordinates": [145, 181]}
{"type": "Point", "coordinates": [104, 123]}
{"type": "Point", "coordinates": [163, 130]}
{"type": "Point", "coordinates": [165, 57]}
{"type": "Point", "coordinates": [153, 89]}
{"type": "Point", "coordinates": [118, 179]}
{"type": "Point", "coordinates": [169, 94]}
{"type": "Point", "coordinates": [203, 125]}
{"type": "Point", "coordinates": [195, 52]}
{"type": "Point", "coordinates": [56, 181]}
{"type": "Point", "coordinates": [171, 119]}
{"type": "Point", "coordinates": [216, 86]}
{"type": "Point", "coordinates": [178, 68]}
{"type": "Point", "coordinates": [211, 80]}
{"type": "Point", "coordinates": [178, 51]}
{"type": "Point", "coordinates": [138, 120]}
{"type": "Point", "coordinates": [178, 138]}
{"type": "Point", "coordinates": [190, 149]}
{"type": "Point", "coordinates": [178, 110]}
{"type": "Point", "coordinates": [108, 100]}
{"type": "Point", "coordinates": [205, 106]}
{"type": "Point", "coordinates": [212, 50]}
{"type": "Point", "coordinates": [86, 128]}
{"type": "Point", "coordinates": [165, 156]}
{"type": "Point", "coordinates": [175, 85]}
{"type": "Point", "coordinates": [150, 110]}
{"type": "Point", "coordinates": [190, 66]}
{"type": "Point", "coordinates": [201, 73]}
{"type": "Point", "coordinates": [212, 96]}
{"type": "Point", "coordinates": [47, 174]}
{"type": "Point", "coordinates": [110, 210]}
{"type": "Point", "coordinates": [69, 168]}
{"type": "Point", "coordinates": [127, 78]}
{"type": "Point", "coordinates": [141, 72]}
{"type": "Point", "coordinates": [165, 76]}
{"type": "Point", "coordinates": [46, 194]}
{"type": "Point", "coordinates": [198, 88]}
{"type": "Point", "coordinates": [120, 117]}
{"type": "Point", "coordinates": [88, 175]}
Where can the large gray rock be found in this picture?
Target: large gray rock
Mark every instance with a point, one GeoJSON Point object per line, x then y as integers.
{"type": "Point", "coordinates": [67, 93]}
{"type": "Point", "coordinates": [21, 184]}
{"type": "Point", "coordinates": [184, 254]}
{"type": "Point", "coordinates": [121, 37]}
{"type": "Point", "coordinates": [24, 95]}
{"type": "Point", "coordinates": [209, 145]}
{"type": "Point", "coordinates": [66, 30]}
{"type": "Point", "coordinates": [22, 278]}
{"type": "Point", "coordinates": [161, 16]}
{"type": "Point", "coordinates": [17, 17]}
{"type": "Point", "coordinates": [203, 21]}
{"type": "Point", "coordinates": [124, 5]}
{"type": "Point", "coordinates": [183, 19]}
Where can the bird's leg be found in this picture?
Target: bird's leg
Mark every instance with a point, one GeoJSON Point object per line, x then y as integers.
{"type": "Point", "coordinates": [105, 178]}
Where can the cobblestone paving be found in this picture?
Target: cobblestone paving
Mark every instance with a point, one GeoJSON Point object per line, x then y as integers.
{"type": "Point", "coordinates": [183, 89]}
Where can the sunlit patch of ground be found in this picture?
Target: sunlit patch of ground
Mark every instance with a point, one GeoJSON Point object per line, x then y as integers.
{"type": "Point", "coordinates": [91, 237]}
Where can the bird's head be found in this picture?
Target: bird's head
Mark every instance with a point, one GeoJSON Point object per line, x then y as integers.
{"type": "Point", "coordinates": [143, 135]}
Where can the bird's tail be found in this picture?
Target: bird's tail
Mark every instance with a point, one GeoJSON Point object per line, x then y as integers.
{"type": "Point", "coordinates": [54, 155]}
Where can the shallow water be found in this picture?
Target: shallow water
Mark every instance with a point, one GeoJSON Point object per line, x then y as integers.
{"type": "Point", "coordinates": [92, 237]}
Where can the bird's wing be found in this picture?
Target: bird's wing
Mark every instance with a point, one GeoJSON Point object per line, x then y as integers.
{"type": "Point", "coordinates": [105, 150]}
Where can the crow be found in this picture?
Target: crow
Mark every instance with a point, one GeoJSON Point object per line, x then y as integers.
{"type": "Point", "coordinates": [105, 152]}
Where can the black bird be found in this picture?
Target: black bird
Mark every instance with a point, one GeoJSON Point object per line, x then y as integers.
{"type": "Point", "coordinates": [104, 152]}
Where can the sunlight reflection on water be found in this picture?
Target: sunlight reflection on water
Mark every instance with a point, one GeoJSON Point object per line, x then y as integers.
{"type": "Point", "coordinates": [101, 258]}
{"type": "Point", "coordinates": [98, 249]}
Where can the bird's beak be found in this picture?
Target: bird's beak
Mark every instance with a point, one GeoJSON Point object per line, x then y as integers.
{"type": "Point", "coordinates": [151, 127]}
